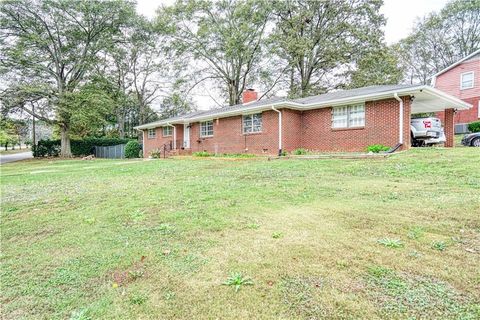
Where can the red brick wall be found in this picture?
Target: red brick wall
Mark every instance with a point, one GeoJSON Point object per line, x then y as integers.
{"type": "Point", "coordinates": [307, 129]}
{"type": "Point", "coordinates": [291, 129]}
{"type": "Point", "coordinates": [449, 127]}
{"type": "Point", "coordinates": [229, 138]}
{"type": "Point", "coordinates": [160, 140]}
{"type": "Point", "coordinates": [381, 127]}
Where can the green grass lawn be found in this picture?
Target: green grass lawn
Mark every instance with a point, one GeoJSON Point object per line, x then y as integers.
{"type": "Point", "coordinates": [338, 239]}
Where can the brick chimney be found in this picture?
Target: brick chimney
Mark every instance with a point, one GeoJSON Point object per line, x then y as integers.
{"type": "Point", "coordinates": [249, 95]}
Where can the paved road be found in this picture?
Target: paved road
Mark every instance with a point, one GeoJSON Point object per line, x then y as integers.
{"type": "Point", "coordinates": [15, 157]}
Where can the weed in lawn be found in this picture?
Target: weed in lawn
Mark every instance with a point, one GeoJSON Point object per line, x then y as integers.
{"type": "Point", "coordinates": [253, 226]}
{"type": "Point", "coordinates": [415, 254]}
{"type": "Point", "coordinates": [136, 274]}
{"type": "Point", "coordinates": [89, 220]}
{"type": "Point", "coordinates": [277, 235]}
{"type": "Point", "coordinates": [81, 314]}
{"type": "Point", "coordinates": [439, 245]}
{"type": "Point", "coordinates": [138, 298]}
{"type": "Point", "coordinates": [416, 233]}
{"type": "Point", "coordinates": [342, 264]}
{"type": "Point", "coordinates": [137, 216]}
{"type": "Point", "coordinates": [166, 228]}
{"type": "Point", "coordinates": [169, 295]}
{"type": "Point", "coordinates": [391, 243]}
{"type": "Point", "coordinates": [237, 280]}
{"type": "Point", "coordinates": [416, 296]}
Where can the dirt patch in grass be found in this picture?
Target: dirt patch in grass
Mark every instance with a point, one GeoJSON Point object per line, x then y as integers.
{"type": "Point", "coordinates": [417, 297]}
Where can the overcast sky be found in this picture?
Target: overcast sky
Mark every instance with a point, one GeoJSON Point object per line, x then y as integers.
{"type": "Point", "coordinates": [400, 14]}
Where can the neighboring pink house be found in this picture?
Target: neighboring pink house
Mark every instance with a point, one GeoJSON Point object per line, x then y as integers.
{"type": "Point", "coordinates": [462, 80]}
{"type": "Point", "coordinates": [348, 120]}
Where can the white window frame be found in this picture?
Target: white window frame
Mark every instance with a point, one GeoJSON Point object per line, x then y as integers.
{"type": "Point", "coordinates": [151, 135]}
{"type": "Point", "coordinates": [169, 129]}
{"type": "Point", "coordinates": [348, 116]}
{"type": "Point", "coordinates": [247, 121]}
{"type": "Point", "coordinates": [479, 109]}
{"type": "Point", "coordinates": [205, 133]}
{"type": "Point", "coordinates": [461, 80]}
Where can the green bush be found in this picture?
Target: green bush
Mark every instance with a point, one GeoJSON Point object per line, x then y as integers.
{"type": "Point", "coordinates": [300, 151]}
{"type": "Point", "coordinates": [474, 126]}
{"type": "Point", "coordinates": [201, 154]}
{"type": "Point", "coordinates": [79, 148]}
{"type": "Point", "coordinates": [46, 148]}
{"type": "Point", "coordinates": [155, 154]}
{"type": "Point", "coordinates": [376, 148]}
{"type": "Point", "coordinates": [132, 149]}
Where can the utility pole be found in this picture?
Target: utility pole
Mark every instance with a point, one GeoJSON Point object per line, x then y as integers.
{"type": "Point", "coordinates": [33, 126]}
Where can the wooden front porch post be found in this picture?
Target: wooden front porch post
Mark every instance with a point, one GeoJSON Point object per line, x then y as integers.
{"type": "Point", "coordinates": [449, 128]}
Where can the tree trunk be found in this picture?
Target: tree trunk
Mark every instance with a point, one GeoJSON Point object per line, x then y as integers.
{"type": "Point", "coordinates": [65, 150]}
{"type": "Point", "coordinates": [121, 124]}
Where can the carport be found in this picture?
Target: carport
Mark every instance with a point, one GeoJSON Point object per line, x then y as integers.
{"type": "Point", "coordinates": [427, 99]}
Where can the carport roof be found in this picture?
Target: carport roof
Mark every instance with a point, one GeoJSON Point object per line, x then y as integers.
{"type": "Point", "coordinates": [426, 99]}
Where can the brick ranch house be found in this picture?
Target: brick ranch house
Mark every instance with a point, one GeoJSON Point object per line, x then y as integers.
{"type": "Point", "coordinates": [462, 80]}
{"type": "Point", "coordinates": [347, 120]}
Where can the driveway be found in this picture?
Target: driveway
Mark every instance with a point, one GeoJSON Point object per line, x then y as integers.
{"type": "Point", "coordinates": [15, 157]}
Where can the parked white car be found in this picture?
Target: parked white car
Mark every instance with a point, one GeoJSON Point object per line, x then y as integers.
{"type": "Point", "coordinates": [426, 131]}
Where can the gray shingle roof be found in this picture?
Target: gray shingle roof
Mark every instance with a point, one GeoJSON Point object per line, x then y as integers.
{"type": "Point", "coordinates": [313, 100]}
{"type": "Point", "coordinates": [233, 108]}
{"type": "Point", "coordinates": [344, 94]}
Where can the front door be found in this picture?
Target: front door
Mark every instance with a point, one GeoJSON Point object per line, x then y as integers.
{"type": "Point", "coordinates": [186, 136]}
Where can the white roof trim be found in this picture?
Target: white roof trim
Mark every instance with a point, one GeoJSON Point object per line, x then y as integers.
{"type": "Point", "coordinates": [456, 63]}
{"type": "Point", "coordinates": [455, 103]}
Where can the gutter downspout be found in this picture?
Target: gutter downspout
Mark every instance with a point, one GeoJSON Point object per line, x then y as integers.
{"type": "Point", "coordinates": [400, 125]}
{"type": "Point", "coordinates": [174, 136]}
{"type": "Point", "coordinates": [279, 130]}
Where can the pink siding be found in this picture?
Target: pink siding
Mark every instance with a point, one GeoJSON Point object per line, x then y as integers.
{"type": "Point", "coordinates": [449, 82]}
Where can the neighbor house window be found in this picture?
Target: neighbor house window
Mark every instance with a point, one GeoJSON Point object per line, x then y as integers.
{"type": "Point", "coordinates": [348, 116]}
{"type": "Point", "coordinates": [206, 129]}
{"type": "Point", "coordinates": [167, 131]}
{"type": "Point", "coordinates": [466, 80]}
{"type": "Point", "coordinates": [252, 123]}
{"type": "Point", "coordinates": [152, 133]}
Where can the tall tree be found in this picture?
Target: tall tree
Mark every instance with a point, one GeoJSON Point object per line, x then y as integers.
{"type": "Point", "coordinates": [440, 39]}
{"type": "Point", "coordinates": [225, 38]}
{"type": "Point", "coordinates": [53, 44]}
{"type": "Point", "coordinates": [378, 66]}
{"type": "Point", "coordinates": [318, 38]}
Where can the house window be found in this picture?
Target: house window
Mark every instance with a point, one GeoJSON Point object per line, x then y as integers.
{"type": "Point", "coordinates": [152, 133]}
{"type": "Point", "coordinates": [466, 80]}
{"type": "Point", "coordinates": [167, 131]}
{"type": "Point", "coordinates": [348, 116]}
{"type": "Point", "coordinates": [252, 123]}
{"type": "Point", "coordinates": [206, 129]}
